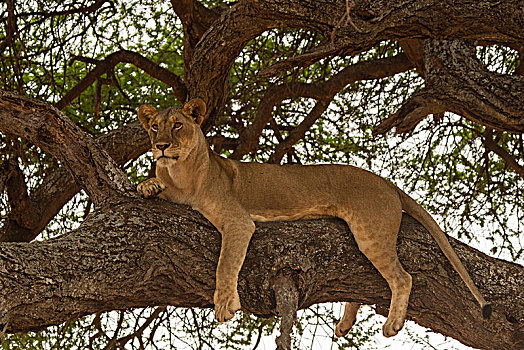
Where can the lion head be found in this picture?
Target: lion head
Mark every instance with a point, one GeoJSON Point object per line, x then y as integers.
{"type": "Point", "coordinates": [174, 131]}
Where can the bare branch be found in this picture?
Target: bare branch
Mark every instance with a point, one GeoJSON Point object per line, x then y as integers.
{"type": "Point", "coordinates": [299, 132]}
{"type": "Point", "coordinates": [322, 91]}
{"type": "Point", "coordinates": [87, 9]}
{"type": "Point", "coordinates": [510, 160]}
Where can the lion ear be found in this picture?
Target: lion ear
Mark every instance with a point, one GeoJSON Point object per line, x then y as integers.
{"type": "Point", "coordinates": [145, 113]}
{"type": "Point", "coordinates": [197, 109]}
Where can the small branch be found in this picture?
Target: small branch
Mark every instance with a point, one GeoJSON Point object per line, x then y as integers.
{"type": "Point", "coordinates": [299, 132]}
{"type": "Point", "coordinates": [138, 333]}
{"type": "Point", "coordinates": [260, 329]}
{"type": "Point", "coordinates": [510, 160]}
{"type": "Point", "coordinates": [88, 9]}
{"type": "Point", "coordinates": [412, 111]}
{"type": "Point", "coordinates": [286, 297]}
{"type": "Point", "coordinates": [106, 65]}
{"type": "Point", "coordinates": [248, 140]}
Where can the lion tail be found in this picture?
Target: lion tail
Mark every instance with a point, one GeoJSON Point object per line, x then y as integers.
{"type": "Point", "coordinates": [421, 215]}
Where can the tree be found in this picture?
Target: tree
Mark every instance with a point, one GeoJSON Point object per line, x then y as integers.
{"type": "Point", "coordinates": [301, 81]}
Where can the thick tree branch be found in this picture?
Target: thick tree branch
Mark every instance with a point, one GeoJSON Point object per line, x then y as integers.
{"type": "Point", "coordinates": [196, 20]}
{"type": "Point", "coordinates": [58, 187]}
{"type": "Point", "coordinates": [375, 21]}
{"type": "Point", "coordinates": [207, 76]}
{"type": "Point", "coordinates": [208, 73]}
{"type": "Point", "coordinates": [457, 81]}
{"type": "Point", "coordinates": [125, 256]}
{"type": "Point", "coordinates": [48, 128]}
{"type": "Point", "coordinates": [106, 65]}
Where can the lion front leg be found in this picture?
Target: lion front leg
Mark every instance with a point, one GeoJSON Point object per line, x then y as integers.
{"type": "Point", "coordinates": [151, 187]}
{"type": "Point", "coordinates": [236, 228]}
{"type": "Point", "coordinates": [235, 240]}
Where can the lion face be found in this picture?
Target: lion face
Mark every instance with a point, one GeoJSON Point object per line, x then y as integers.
{"type": "Point", "coordinates": [173, 131]}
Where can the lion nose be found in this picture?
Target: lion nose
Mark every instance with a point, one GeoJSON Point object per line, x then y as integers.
{"type": "Point", "coordinates": [162, 146]}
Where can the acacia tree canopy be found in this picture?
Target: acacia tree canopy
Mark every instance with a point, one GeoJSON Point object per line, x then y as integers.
{"type": "Point", "coordinates": [284, 81]}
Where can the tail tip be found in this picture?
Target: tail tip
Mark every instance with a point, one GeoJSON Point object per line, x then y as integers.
{"type": "Point", "coordinates": [486, 311]}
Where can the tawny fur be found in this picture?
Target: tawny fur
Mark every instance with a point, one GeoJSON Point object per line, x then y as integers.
{"type": "Point", "coordinates": [231, 195]}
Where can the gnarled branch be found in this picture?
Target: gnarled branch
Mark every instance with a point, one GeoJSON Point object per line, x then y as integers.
{"type": "Point", "coordinates": [374, 21]}
{"type": "Point", "coordinates": [58, 187]}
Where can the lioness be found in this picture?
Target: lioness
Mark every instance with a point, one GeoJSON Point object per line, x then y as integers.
{"type": "Point", "coordinates": [233, 194]}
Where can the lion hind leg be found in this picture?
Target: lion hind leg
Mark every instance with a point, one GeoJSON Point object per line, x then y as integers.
{"type": "Point", "coordinates": [348, 319]}
{"type": "Point", "coordinates": [378, 243]}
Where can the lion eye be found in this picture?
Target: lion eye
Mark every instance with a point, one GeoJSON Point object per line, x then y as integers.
{"type": "Point", "coordinates": [178, 125]}
{"type": "Point", "coordinates": [154, 127]}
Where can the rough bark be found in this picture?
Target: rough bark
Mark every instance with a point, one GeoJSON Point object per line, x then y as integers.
{"type": "Point", "coordinates": [373, 21]}
{"type": "Point", "coordinates": [125, 255]}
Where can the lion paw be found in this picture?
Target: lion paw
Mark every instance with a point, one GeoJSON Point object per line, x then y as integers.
{"type": "Point", "coordinates": [341, 330]}
{"type": "Point", "coordinates": [226, 304]}
{"type": "Point", "coordinates": [392, 327]}
{"type": "Point", "coordinates": [151, 187]}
